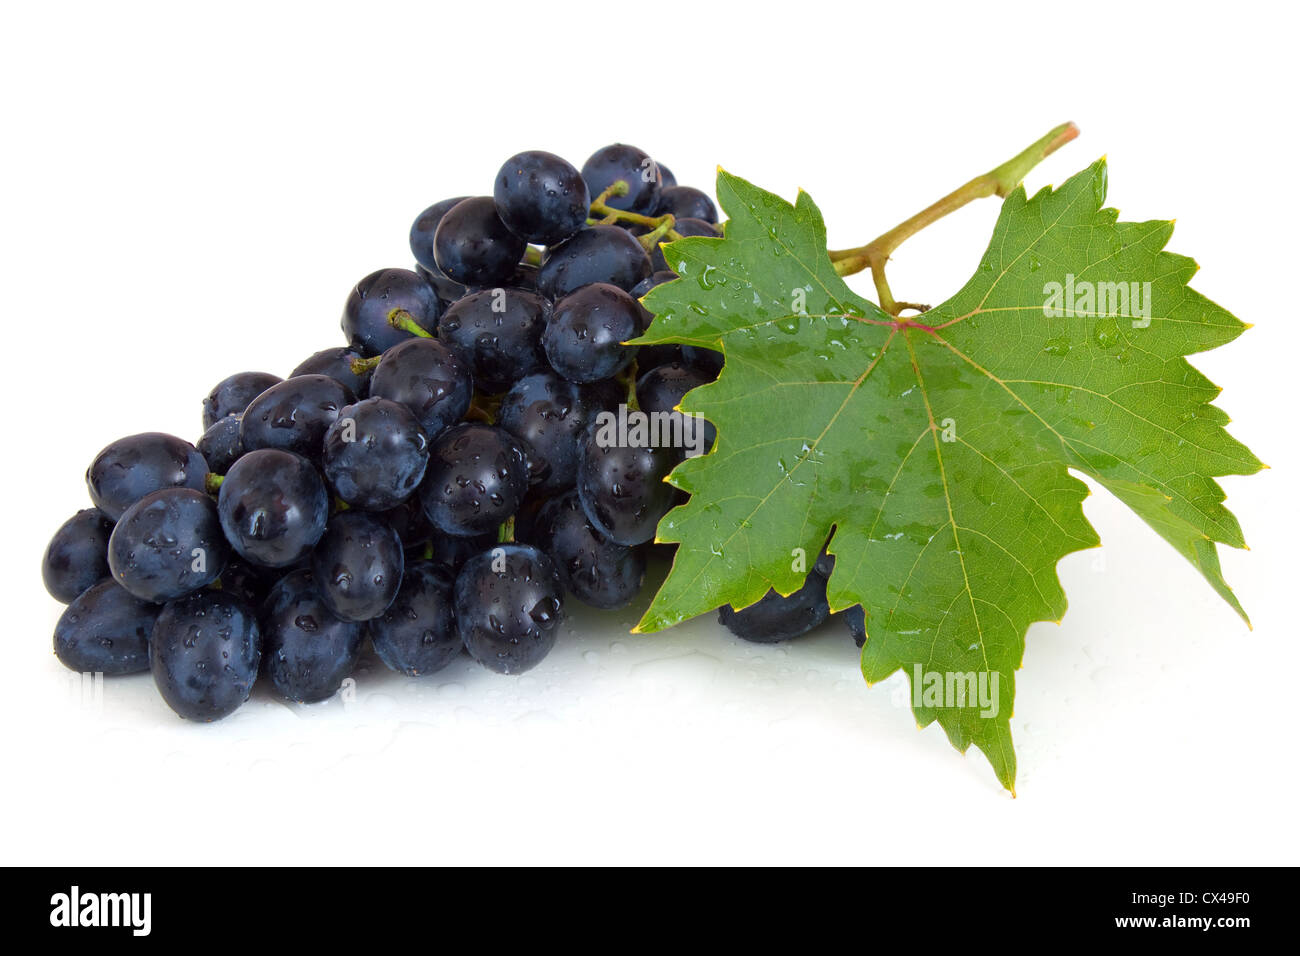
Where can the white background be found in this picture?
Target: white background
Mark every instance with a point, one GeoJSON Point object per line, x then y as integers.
{"type": "Point", "coordinates": [190, 192]}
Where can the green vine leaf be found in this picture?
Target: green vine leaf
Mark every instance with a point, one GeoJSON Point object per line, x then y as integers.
{"type": "Point", "coordinates": [936, 452]}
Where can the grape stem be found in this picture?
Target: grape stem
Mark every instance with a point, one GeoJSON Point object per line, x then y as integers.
{"type": "Point", "coordinates": [360, 366]}
{"type": "Point", "coordinates": [602, 214]}
{"type": "Point", "coordinates": [212, 482]}
{"type": "Point", "coordinates": [999, 181]}
{"type": "Point", "coordinates": [401, 319]}
{"type": "Point", "coordinates": [506, 533]}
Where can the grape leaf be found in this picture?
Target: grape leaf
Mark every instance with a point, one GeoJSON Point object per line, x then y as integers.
{"type": "Point", "coordinates": [938, 449]}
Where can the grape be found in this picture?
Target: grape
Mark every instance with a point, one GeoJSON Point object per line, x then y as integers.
{"type": "Point", "coordinates": [128, 469]}
{"type": "Point", "coordinates": [584, 341]}
{"type": "Point", "coordinates": [168, 544]}
{"type": "Point", "coordinates": [472, 245]}
{"type": "Point", "coordinates": [661, 390]}
{"type": "Point", "coordinates": [204, 654]}
{"type": "Point", "coordinates": [273, 507]}
{"type": "Point", "coordinates": [337, 364]}
{"type": "Point", "coordinates": [408, 520]}
{"type": "Point", "coordinates": [524, 277]}
{"type": "Point", "coordinates": [220, 445]}
{"type": "Point", "coordinates": [508, 605]}
{"type": "Point", "coordinates": [686, 202]}
{"type": "Point", "coordinates": [77, 555]}
{"type": "Point", "coordinates": [825, 564]}
{"type": "Point", "coordinates": [357, 566]}
{"type": "Point", "coordinates": [708, 361]}
{"type": "Point", "coordinates": [540, 197]}
{"type": "Point", "coordinates": [776, 618]}
{"type": "Point", "coordinates": [417, 634]}
{"type": "Point", "coordinates": [232, 395]}
{"type": "Point", "coordinates": [247, 581]}
{"type": "Point", "coordinates": [622, 488]}
{"type": "Point", "coordinates": [649, 356]}
{"type": "Point", "coordinates": [380, 296]}
{"type": "Point", "coordinates": [498, 332]}
{"type": "Point", "coordinates": [595, 254]}
{"type": "Point", "coordinates": [308, 651]}
{"type": "Point", "coordinates": [477, 476]}
{"type": "Point", "coordinates": [609, 164]}
{"type": "Point", "coordinates": [666, 178]}
{"type": "Point", "coordinates": [105, 630]}
{"type": "Point", "coordinates": [448, 289]}
{"type": "Point", "coordinates": [450, 552]}
{"type": "Point", "coordinates": [592, 568]}
{"type": "Point", "coordinates": [684, 228]}
{"type": "Point", "coordinates": [550, 414]}
{"type": "Point", "coordinates": [428, 378]}
{"type": "Point", "coordinates": [422, 230]}
{"type": "Point", "coordinates": [294, 415]}
{"type": "Point", "coordinates": [375, 454]}
{"type": "Point", "coordinates": [856, 619]}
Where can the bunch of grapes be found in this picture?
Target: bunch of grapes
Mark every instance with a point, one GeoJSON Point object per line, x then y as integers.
{"type": "Point", "coordinates": [435, 486]}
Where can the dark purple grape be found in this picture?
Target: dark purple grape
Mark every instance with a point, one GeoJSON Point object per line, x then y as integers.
{"type": "Point", "coordinates": [686, 202]}
{"type": "Point", "coordinates": [609, 164]}
{"type": "Point", "coordinates": [622, 488]}
{"type": "Point", "coordinates": [273, 507]}
{"type": "Point", "coordinates": [205, 651]}
{"type": "Point", "coordinates": [509, 603]}
{"type": "Point", "coordinates": [417, 634]}
{"type": "Point", "coordinates": [381, 297]}
{"type": "Point", "coordinates": [584, 340]}
{"type": "Point", "coordinates": [308, 651]}
{"type": "Point", "coordinates": [422, 230]}
{"type": "Point", "coordinates": [550, 415]}
{"type": "Point", "coordinates": [428, 378]}
{"type": "Point", "coordinates": [856, 619]}
{"type": "Point", "coordinates": [472, 245]}
{"type": "Point", "coordinates": [337, 364]}
{"type": "Point", "coordinates": [592, 568]}
{"type": "Point", "coordinates": [375, 454]}
{"type": "Point", "coordinates": [498, 332]}
{"type": "Point", "coordinates": [168, 544]}
{"type": "Point", "coordinates": [776, 618]}
{"type": "Point", "coordinates": [666, 178]}
{"type": "Point", "coordinates": [294, 415]}
{"type": "Point", "coordinates": [476, 478]}
{"type": "Point", "coordinates": [541, 197]}
{"type": "Point", "coordinates": [595, 254]}
{"type": "Point", "coordinates": [450, 552]}
{"type": "Point", "coordinates": [77, 555]}
{"type": "Point", "coordinates": [357, 566]}
{"type": "Point", "coordinates": [661, 390]}
{"type": "Point", "coordinates": [648, 356]}
{"type": "Point", "coordinates": [105, 631]}
{"type": "Point", "coordinates": [232, 395]}
{"type": "Point", "coordinates": [708, 361]}
{"type": "Point", "coordinates": [220, 445]}
{"type": "Point", "coordinates": [132, 467]}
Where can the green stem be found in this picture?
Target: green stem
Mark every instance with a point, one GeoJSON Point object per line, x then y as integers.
{"type": "Point", "coordinates": [212, 482]}
{"type": "Point", "coordinates": [533, 256]}
{"type": "Point", "coordinates": [999, 181]}
{"type": "Point", "coordinates": [651, 239]}
{"type": "Point", "coordinates": [360, 366]}
{"type": "Point", "coordinates": [401, 319]}
{"type": "Point", "coordinates": [506, 533]}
